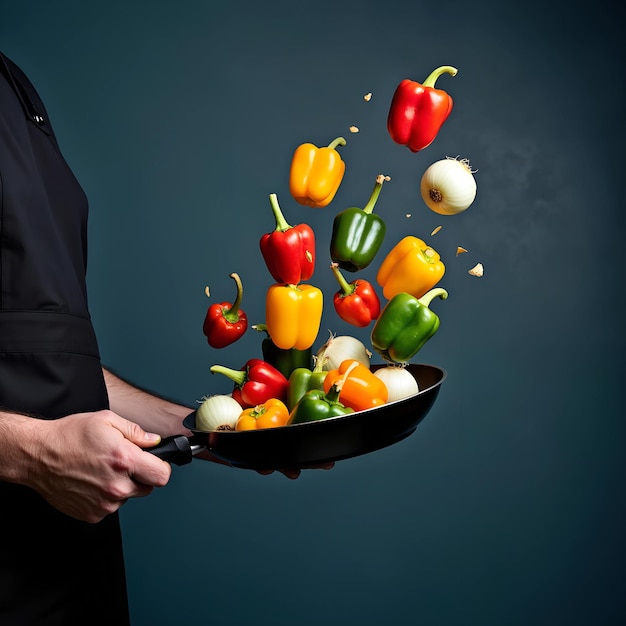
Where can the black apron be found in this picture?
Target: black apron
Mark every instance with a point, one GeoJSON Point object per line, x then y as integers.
{"type": "Point", "coordinates": [54, 570]}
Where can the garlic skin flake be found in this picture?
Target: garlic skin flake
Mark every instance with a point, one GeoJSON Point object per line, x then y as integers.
{"type": "Point", "coordinates": [477, 270]}
{"type": "Point", "coordinates": [448, 186]}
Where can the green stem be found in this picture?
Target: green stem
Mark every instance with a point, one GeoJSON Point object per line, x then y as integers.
{"type": "Point", "coordinates": [369, 207]}
{"type": "Point", "coordinates": [238, 376]}
{"type": "Point", "coordinates": [435, 74]}
{"type": "Point", "coordinates": [428, 297]}
{"type": "Point", "coordinates": [340, 141]}
{"type": "Point", "coordinates": [261, 328]}
{"type": "Point", "coordinates": [346, 287]}
{"type": "Point", "coordinates": [232, 315]}
{"type": "Point", "coordinates": [281, 222]}
{"type": "Point", "coordinates": [333, 393]}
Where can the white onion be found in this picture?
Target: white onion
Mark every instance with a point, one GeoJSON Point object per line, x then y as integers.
{"type": "Point", "coordinates": [338, 349]}
{"type": "Point", "coordinates": [219, 412]}
{"type": "Point", "coordinates": [399, 381]}
{"type": "Point", "coordinates": [448, 186]}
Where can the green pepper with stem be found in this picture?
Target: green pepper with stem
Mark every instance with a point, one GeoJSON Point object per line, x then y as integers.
{"type": "Point", "coordinates": [317, 405]}
{"type": "Point", "coordinates": [405, 325]}
{"type": "Point", "coordinates": [358, 234]}
{"type": "Point", "coordinates": [284, 360]}
{"type": "Point", "coordinates": [302, 379]}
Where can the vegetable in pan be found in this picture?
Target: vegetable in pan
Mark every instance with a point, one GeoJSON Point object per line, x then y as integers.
{"type": "Point", "coordinates": [318, 404]}
{"type": "Point", "coordinates": [360, 389]}
{"type": "Point", "coordinates": [302, 380]}
{"type": "Point", "coordinates": [270, 414]}
{"type": "Point", "coordinates": [255, 383]}
{"type": "Point", "coordinates": [399, 381]}
{"type": "Point", "coordinates": [218, 412]}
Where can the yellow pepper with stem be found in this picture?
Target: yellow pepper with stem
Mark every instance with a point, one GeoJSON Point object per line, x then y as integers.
{"type": "Point", "coordinates": [293, 314]}
{"type": "Point", "coordinates": [316, 173]}
{"type": "Point", "coordinates": [412, 267]}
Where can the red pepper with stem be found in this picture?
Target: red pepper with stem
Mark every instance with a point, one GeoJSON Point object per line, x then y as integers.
{"type": "Point", "coordinates": [224, 323]}
{"type": "Point", "coordinates": [418, 111]}
{"type": "Point", "coordinates": [357, 302]}
{"type": "Point", "coordinates": [255, 383]}
{"type": "Point", "coordinates": [288, 251]}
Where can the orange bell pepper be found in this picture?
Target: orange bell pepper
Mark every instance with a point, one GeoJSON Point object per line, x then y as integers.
{"type": "Point", "coordinates": [267, 415]}
{"type": "Point", "coordinates": [411, 267]}
{"type": "Point", "coordinates": [360, 389]}
{"type": "Point", "coordinates": [293, 314]}
{"type": "Point", "coordinates": [316, 173]}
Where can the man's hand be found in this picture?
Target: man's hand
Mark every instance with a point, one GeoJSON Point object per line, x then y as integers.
{"type": "Point", "coordinates": [87, 465]}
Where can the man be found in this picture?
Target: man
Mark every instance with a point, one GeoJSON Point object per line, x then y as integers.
{"type": "Point", "coordinates": [71, 433]}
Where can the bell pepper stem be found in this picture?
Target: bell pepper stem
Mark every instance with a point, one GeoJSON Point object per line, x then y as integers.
{"type": "Point", "coordinates": [334, 392]}
{"type": "Point", "coordinates": [429, 296]}
{"type": "Point", "coordinates": [232, 315]}
{"type": "Point", "coordinates": [238, 376]}
{"type": "Point", "coordinates": [281, 223]}
{"type": "Point", "coordinates": [435, 74]}
{"type": "Point", "coordinates": [380, 179]}
{"type": "Point", "coordinates": [346, 287]}
{"type": "Point", "coordinates": [340, 141]}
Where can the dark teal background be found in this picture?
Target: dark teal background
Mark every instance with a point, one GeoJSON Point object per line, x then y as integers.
{"type": "Point", "coordinates": [506, 507]}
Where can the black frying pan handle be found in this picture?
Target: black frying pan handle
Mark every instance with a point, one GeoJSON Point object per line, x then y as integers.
{"type": "Point", "coordinates": [175, 449]}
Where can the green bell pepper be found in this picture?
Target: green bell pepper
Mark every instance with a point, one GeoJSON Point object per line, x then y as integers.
{"type": "Point", "coordinates": [317, 405]}
{"type": "Point", "coordinates": [358, 234]}
{"type": "Point", "coordinates": [302, 380]}
{"type": "Point", "coordinates": [405, 325]}
{"type": "Point", "coordinates": [284, 360]}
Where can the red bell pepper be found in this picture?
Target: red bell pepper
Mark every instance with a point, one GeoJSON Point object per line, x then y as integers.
{"type": "Point", "coordinates": [288, 251]}
{"type": "Point", "coordinates": [255, 383]}
{"type": "Point", "coordinates": [224, 323]}
{"type": "Point", "coordinates": [418, 111]}
{"type": "Point", "coordinates": [357, 302]}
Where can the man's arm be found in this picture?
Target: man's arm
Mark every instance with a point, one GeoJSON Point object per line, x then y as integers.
{"type": "Point", "coordinates": [151, 412]}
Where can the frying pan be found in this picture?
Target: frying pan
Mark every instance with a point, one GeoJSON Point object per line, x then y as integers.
{"type": "Point", "coordinates": [311, 443]}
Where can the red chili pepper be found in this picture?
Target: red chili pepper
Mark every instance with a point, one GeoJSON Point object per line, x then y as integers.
{"type": "Point", "coordinates": [418, 111]}
{"type": "Point", "coordinates": [255, 383]}
{"type": "Point", "coordinates": [289, 251]}
{"type": "Point", "coordinates": [224, 323]}
{"type": "Point", "coordinates": [356, 303]}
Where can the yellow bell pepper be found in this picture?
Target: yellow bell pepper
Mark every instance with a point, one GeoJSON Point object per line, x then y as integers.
{"type": "Point", "coordinates": [360, 388]}
{"type": "Point", "coordinates": [316, 173]}
{"type": "Point", "coordinates": [411, 267]}
{"type": "Point", "coordinates": [293, 314]}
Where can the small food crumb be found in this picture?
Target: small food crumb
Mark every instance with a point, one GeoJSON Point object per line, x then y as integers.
{"type": "Point", "coordinates": [460, 250]}
{"type": "Point", "coordinates": [367, 97]}
{"type": "Point", "coordinates": [407, 215]}
{"type": "Point", "coordinates": [477, 270]}
{"type": "Point", "coordinates": [207, 292]}
{"type": "Point", "coordinates": [354, 129]}
{"type": "Point", "coordinates": [435, 231]}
